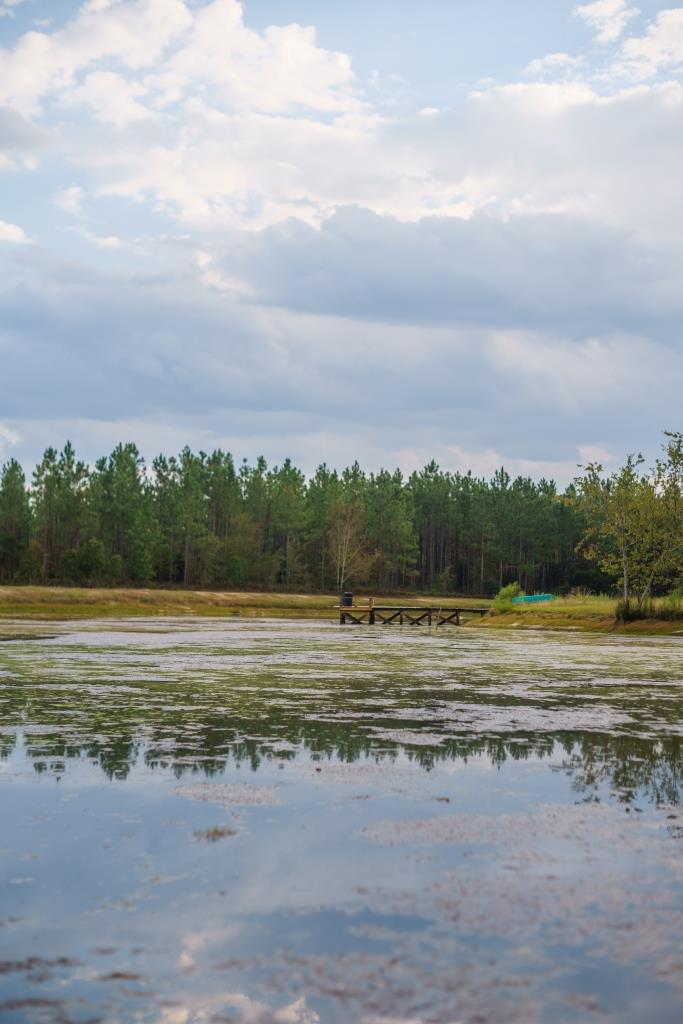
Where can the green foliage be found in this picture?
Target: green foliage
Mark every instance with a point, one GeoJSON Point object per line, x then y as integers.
{"type": "Point", "coordinates": [503, 599]}
{"type": "Point", "coordinates": [14, 520]}
{"type": "Point", "coordinates": [634, 524]}
{"type": "Point", "coordinates": [198, 520]}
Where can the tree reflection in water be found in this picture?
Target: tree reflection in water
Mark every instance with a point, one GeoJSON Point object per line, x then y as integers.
{"type": "Point", "coordinates": [244, 694]}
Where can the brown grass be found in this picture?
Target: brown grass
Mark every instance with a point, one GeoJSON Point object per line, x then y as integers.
{"type": "Point", "coordinates": [98, 602]}
{"type": "Point", "coordinates": [593, 614]}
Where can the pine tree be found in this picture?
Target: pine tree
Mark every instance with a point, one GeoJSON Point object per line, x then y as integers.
{"type": "Point", "coordinates": [14, 521]}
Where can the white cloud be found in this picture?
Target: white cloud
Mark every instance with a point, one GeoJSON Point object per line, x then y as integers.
{"type": "Point", "coordinates": [512, 149]}
{"type": "Point", "coordinates": [608, 18]}
{"type": "Point", "coordinates": [20, 140]}
{"type": "Point", "coordinates": [252, 169]}
{"type": "Point", "coordinates": [239, 119]}
{"type": "Point", "coordinates": [103, 241]}
{"type": "Point", "coordinates": [596, 452]}
{"type": "Point", "coordinates": [6, 7]}
{"type": "Point", "coordinates": [8, 438]}
{"type": "Point", "coordinates": [524, 148]}
{"type": "Point", "coordinates": [111, 97]}
{"type": "Point", "coordinates": [70, 200]}
{"type": "Point", "coordinates": [174, 49]}
{"type": "Point", "coordinates": [222, 126]}
{"type": "Point", "coordinates": [277, 71]}
{"type": "Point", "coordinates": [486, 462]}
{"type": "Point", "coordinates": [134, 33]}
{"type": "Point", "coordinates": [554, 65]}
{"type": "Point", "coordinates": [12, 233]}
{"type": "Point", "coordinates": [659, 49]}
{"type": "Point", "coordinates": [211, 275]}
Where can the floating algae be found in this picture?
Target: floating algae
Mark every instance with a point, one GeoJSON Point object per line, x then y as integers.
{"type": "Point", "coordinates": [462, 826]}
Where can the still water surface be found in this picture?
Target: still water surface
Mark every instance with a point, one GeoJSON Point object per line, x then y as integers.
{"type": "Point", "coordinates": [270, 822]}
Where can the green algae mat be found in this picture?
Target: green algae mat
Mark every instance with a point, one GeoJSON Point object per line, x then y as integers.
{"type": "Point", "coordinates": [283, 822]}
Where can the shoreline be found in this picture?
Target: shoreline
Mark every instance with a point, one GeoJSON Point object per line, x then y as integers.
{"type": "Point", "coordinates": [588, 624]}
{"type": "Point", "coordinates": [63, 604]}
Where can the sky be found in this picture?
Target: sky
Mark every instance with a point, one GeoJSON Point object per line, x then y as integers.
{"type": "Point", "coordinates": [332, 231]}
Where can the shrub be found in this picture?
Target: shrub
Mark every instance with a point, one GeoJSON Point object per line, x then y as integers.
{"type": "Point", "coordinates": [502, 602]}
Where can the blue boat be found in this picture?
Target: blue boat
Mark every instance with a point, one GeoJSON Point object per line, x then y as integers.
{"type": "Point", "coordinates": [532, 598]}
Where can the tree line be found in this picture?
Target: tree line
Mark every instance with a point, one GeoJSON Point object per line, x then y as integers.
{"type": "Point", "coordinates": [201, 520]}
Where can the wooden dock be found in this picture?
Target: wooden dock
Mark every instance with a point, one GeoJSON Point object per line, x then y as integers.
{"type": "Point", "coordinates": [404, 614]}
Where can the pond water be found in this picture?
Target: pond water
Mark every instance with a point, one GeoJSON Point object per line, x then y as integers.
{"type": "Point", "coordinates": [285, 822]}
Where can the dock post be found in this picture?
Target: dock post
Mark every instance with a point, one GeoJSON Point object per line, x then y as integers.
{"type": "Point", "coordinates": [345, 601]}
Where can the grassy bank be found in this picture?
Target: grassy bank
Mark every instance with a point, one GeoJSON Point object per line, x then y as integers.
{"type": "Point", "coordinates": [101, 602]}
{"type": "Point", "coordinates": [591, 613]}
{"type": "Point", "coordinates": [59, 603]}
{"type": "Point", "coordinates": [594, 614]}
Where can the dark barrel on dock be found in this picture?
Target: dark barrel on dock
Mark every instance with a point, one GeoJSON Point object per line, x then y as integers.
{"type": "Point", "coordinates": [346, 599]}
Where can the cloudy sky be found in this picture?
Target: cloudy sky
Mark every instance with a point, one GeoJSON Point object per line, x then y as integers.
{"type": "Point", "coordinates": [373, 229]}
